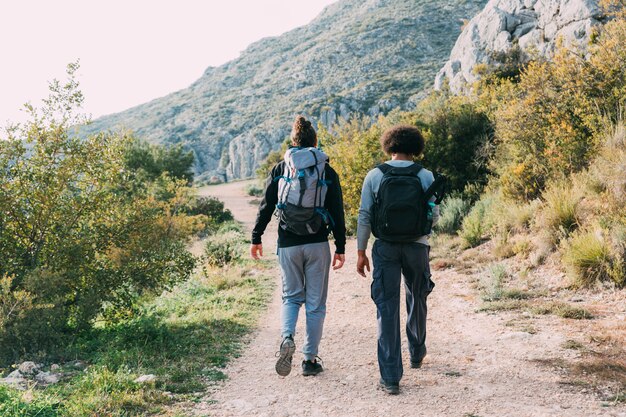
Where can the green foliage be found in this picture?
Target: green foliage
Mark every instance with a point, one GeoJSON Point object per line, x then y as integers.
{"type": "Point", "coordinates": [254, 190]}
{"type": "Point", "coordinates": [14, 404]}
{"type": "Point", "coordinates": [80, 235]}
{"type": "Point", "coordinates": [548, 125]}
{"type": "Point", "coordinates": [560, 210]}
{"type": "Point", "coordinates": [457, 138]}
{"type": "Point", "coordinates": [353, 148]}
{"type": "Point", "coordinates": [213, 211]}
{"type": "Point", "coordinates": [475, 225]}
{"type": "Point", "coordinates": [153, 161]}
{"type": "Point", "coordinates": [452, 211]}
{"type": "Point", "coordinates": [588, 258]}
{"type": "Point", "coordinates": [185, 337]}
{"type": "Point", "coordinates": [224, 249]}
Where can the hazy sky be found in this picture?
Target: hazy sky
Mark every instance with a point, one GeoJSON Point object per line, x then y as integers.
{"type": "Point", "coordinates": [130, 51]}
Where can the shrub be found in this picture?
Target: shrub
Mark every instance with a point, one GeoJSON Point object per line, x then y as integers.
{"type": "Point", "coordinates": [213, 210]}
{"type": "Point", "coordinates": [457, 135]}
{"type": "Point", "coordinates": [254, 190]}
{"type": "Point", "coordinates": [492, 282]}
{"type": "Point", "coordinates": [224, 249]}
{"type": "Point", "coordinates": [79, 231]}
{"type": "Point", "coordinates": [560, 210]}
{"type": "Point", "coordinates": [475, 224]}
{"type": "Point", "coordinates": [452, 211]}
{"type": "Point", "coordinates": [588, 258]}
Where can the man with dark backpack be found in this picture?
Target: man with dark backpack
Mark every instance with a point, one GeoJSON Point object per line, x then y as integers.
{"type": "Point", "coordinates": [399, 204]}
{"type": "Point", "coordinates": [305, 193]}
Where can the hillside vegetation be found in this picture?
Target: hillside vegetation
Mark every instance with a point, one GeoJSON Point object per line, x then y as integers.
{"type": "Point", "coordinates": [356, 57]}
{"type": "Point", "coordinates": [536, 156]}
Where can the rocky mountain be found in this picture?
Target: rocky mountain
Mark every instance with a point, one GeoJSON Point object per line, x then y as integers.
{"type": "Point", "coordinates": [532, 24]}
{"type": "Point", "coordinates": [357, 56]}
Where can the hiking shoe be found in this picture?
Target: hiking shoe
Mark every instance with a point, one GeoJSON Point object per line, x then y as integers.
{"type": "Point", "coordinates": [392, 388]}
{"type": "Point", "coordinates": [287, 349]}
{"type": "Point", "coordinates": [311, 368]}
{"type": "Point", "coordinates": [417, 364]}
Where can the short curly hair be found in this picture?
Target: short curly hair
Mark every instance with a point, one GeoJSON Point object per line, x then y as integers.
{"type": "Point", "coordinates": [402, 139]}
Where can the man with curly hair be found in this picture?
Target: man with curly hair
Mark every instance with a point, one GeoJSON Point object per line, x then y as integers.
{"type": "Point", "coordinates": [392, 259]}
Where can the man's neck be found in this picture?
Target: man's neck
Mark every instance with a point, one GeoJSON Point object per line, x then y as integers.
{"type": "Point", "coordinates": [401, 157]}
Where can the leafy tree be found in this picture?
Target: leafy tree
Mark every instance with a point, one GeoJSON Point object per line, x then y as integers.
{"type": "Point", "coordinates": [80, 234]}
{"type": "Point", "coordinates": [154, 160]}
{"type": "Point", "coordinates": [457, 135]}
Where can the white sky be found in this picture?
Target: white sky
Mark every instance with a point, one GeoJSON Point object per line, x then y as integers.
{"type": "Point", "coordinates": [130, 51]}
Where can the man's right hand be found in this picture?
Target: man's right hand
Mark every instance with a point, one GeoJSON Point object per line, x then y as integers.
{"type": "Point", "coordinates": [256, 251]}
{"type": "Point", "coordinates": [362, 263]}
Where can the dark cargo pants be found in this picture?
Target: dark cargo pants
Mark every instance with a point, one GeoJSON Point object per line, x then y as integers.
{"type": "Point", "coordinates": [391, 260]}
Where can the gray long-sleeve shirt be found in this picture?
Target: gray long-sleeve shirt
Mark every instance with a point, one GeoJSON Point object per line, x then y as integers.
{"type": "Point", "coordinates": [368, 196]}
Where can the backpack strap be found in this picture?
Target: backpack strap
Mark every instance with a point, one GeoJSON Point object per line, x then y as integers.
{"type": "Point", "coordinates": [385, 168]}
{"type": "Point", "coordinates": [437, 189]}
{"type": "Point", "coordinates": [413, 169]}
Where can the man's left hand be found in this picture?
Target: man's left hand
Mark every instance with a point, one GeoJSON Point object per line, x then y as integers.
{"type": "Point", "coordinates": [338, 260]}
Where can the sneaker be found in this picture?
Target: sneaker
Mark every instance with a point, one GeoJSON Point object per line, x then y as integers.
{"type": "Point", "coordinates": [287, 349]}
{"type": "Point", "coordinates": [311, 368]}
{"type": "Point", "coordinates": [417, 364]}
{"type": "Point", "coordinates": [392, 388]}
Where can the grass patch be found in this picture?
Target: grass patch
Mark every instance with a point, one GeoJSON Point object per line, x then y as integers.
{"type": "Point", "coordinates": [587, 257]}
{"type": "Point", "coordinates": [572, 345]}
{"type": "Point", "coordinates": [184, 337]}
{"type": "Point", "coordinates": [563, 310]}
{"type": "Point", "coordinates": [503, 305]}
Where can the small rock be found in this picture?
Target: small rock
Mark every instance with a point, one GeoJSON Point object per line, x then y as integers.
{"type": "Point", "coordinates": [15, 380]}
{"type": "Point", "coordinates": [577, 299]}
{"type": "Point", "coordinates": [15, 374]}
{"type": "Point", "coordinates": [47, 378]}
{"type": "Point", "coordinates": [29, 368]}
{"type": "Point", "coordinates": [54, 367]}
{"type": "Point", "coordinates": [145, 379]}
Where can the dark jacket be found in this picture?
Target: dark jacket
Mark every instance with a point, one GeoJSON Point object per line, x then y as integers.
{"type": "Point", "coordinates": [333, 203]}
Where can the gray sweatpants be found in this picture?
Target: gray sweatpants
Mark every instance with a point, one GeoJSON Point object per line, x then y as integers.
{"type": "Point", "coordinates": [304, 271]}
{"type": "Point", "coordinates": [391, 260]}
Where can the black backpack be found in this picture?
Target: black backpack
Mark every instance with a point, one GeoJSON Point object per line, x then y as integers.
{"type": "Point", "coordinates": [402, 211]}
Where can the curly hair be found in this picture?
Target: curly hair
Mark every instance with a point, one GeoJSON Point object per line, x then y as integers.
{"type": "Point", "coordinates": [402, 139]}
{"type": "Point", "coordinates": [303, 134]}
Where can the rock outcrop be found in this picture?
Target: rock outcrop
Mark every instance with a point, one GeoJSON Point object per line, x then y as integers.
{"type": "Point", "coordinates": [357, 56]}
{"type": "Point", "coordinates": [531, 24]}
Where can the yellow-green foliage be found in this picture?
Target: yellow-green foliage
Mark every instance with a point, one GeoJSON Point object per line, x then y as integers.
{"type": "Point", "coordinates": [354, 149]}
{"type": "Point", "coordinates": [547, 125]}
{"type": "Point", "coordinates": [560, 209]}
{"type": "Point", "coordinates": [476, 224]}
{"type": "Point", "coordinates": [588, 258]}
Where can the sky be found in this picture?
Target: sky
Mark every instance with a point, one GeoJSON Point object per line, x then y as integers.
{"type": "Point", "coordinates": [130, 51]}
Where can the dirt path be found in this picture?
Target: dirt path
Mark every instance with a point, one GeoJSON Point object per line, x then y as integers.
{"type": "Point", "coordinates": [476, 365]}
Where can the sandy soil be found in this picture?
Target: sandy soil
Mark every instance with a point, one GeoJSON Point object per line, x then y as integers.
{"type": "Point", "coordinates": [476, 365]}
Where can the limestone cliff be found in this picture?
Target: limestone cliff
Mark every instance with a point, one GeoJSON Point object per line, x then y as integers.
{"type": "Point", "coordinates": [531, 24]}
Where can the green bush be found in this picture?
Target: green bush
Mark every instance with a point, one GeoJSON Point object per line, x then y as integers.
{"type": "Point", "coordinates": [476, 225]}
{"type": "Point", "coordinates": [457, 136]}
{"type": "Point", "coordinates": [79, 231]}
{"type": "Point", "coordinates": [224, 249]}
{"type": "Point", "coordinates": [214, 211]}
{"type": "Point", "coordinates": [560, 215]}
{"type": "Point", "coordinates": [254, 190]}
{"type": "Point", "coordinates": [588, 258]}
{"type": "Point", "coordinates": [452, 212]}
{"type": "Point", "coordinates": [154, 160]}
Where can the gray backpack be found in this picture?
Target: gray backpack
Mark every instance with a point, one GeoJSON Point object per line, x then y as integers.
{"type": "Point", "coordinates": [302, 191]}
